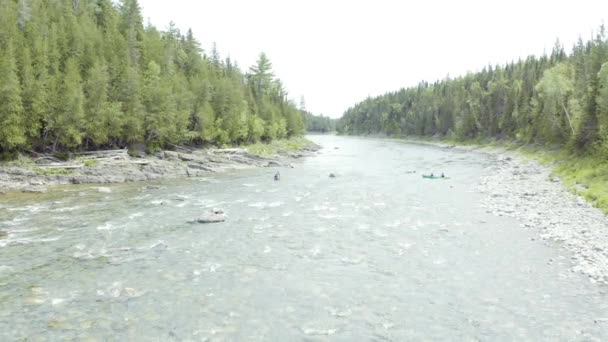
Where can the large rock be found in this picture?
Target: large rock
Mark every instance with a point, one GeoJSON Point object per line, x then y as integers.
{"type": "Point", "coordinates": [213, 216]}
{"type": "Point", "coordinates": [200, 167]}
{"type": "Point", "coordinates": [3, 234]}
{"type": "Point", "coordinates": [273, 163]}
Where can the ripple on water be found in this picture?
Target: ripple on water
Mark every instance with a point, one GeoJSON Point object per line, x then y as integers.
{"type": "Point", "coordinates": [4, 269]}
{"type": "Point", "coordinates": [265, 205]}
{"type": "Point", "coordinates": [33, 208]}
{"type": "Point", "coordinates": [118, 291]}
{"type": "Point", "coordinates": [16, 221]}
{"type": "Point", "coordinates": [64, 209]}
{"type": "Point", "coordinates": [260, 228]}
{"type": "Point", "coordinates": [336, 312]}
{"type": "Point", "coordinates": [135, 215]}
{"type": "Point", "coordinates": [319, 330]}
{"type": "Point", "coordinates": [107, 226]}
{"type": "Point", "coordinates": [214, 204]}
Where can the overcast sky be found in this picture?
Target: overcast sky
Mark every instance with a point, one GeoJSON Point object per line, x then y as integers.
{"type": "Point", "coordinates": [336, 53]}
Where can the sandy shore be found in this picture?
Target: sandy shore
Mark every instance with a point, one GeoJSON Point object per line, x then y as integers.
{"type": "Point", "coordinates": [120, 168]}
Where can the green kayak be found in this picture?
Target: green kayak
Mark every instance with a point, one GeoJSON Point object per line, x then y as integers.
{"type": "Point", "coordinates": [434, 177]}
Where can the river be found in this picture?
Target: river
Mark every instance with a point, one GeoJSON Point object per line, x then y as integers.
{"type": "Point", "coordinates": [376, 253]}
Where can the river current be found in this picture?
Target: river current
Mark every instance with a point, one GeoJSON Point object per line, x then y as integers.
{"type": "Point", "coordinates": [375, 254]}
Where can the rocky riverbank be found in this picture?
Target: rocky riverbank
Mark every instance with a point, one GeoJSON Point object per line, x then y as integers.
{"type": "Point", "coordinates": [524, 189]}
{"type": "Point", "coordinates": [120, 167]}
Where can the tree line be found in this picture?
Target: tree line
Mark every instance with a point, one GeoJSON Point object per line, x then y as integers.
{"type": "Point", "coordinates": [557, 98]}
{"type": "Point", "coordinates": [88, 74]}
{"type": "Point", "coordinates": [319, 123]}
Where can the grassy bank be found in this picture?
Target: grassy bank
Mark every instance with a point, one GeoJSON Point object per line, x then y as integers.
{"type": "Point", "coordinates": [280, 146]}
{"type": "Point", "coordinates": [584, 175]}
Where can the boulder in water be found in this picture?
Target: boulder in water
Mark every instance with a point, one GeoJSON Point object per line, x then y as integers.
{"type": "Point", "coordinates": [332, 175]}
{"type": "Point", "coordinates": [104, 190]}
{"type": "Point", "coordinates": [3, 234]}
{"type": "Point", "coordinates": [213, 216]}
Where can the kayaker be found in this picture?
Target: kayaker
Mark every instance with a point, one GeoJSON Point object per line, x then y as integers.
{"type": "Point", "coordinates": [442, 176]}
{"type": "Point", "coordinates": [277, 176]}
{"type": "Point", "coordinates": [432, 175]}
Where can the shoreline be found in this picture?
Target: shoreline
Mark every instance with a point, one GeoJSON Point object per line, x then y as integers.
{"type": "Point", "coordinates": [524, 189]}
{"type": "Point", "coordinates": [521, 187]}
{"type": "Point", "coordinates": [119, 167]}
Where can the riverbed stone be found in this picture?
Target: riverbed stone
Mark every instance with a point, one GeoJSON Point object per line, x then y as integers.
{"type": "Point", "coordinates": [540, 201]}
{"type": "Point", "coordinates": [35, 189]}
{"type": "Point", "coordinates": [213, 216]}
{"type": "Point", "coordinates": [164, 164]}
{"type": "Point", "coordinates": [272, 163]}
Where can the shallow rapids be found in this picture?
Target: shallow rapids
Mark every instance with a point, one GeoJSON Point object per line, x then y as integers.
{"type": "Point", "coordinates": [376, 253]}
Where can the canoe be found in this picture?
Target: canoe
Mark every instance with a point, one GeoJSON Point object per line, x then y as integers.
{"type": "Point", "coordinates": [434, 177]}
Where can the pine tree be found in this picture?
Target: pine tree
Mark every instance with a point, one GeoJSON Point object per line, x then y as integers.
{"type": "Point", "coordinates": [68, 119]}
{"type": "Point", "coordinates": [102, 119]}
{"type": "Point", "coordinates": [12, 126]}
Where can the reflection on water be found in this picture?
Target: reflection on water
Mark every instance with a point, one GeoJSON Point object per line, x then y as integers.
{"type": "Point", "coordinates": [377, 253]}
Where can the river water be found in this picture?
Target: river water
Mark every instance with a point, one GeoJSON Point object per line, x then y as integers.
{"type": "Point", "coordinates": [377, 253]}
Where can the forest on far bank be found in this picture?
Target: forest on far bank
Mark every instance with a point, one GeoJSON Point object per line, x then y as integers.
{"type": "Point", "coordinates": [556, 99]}
{"type": "Point", "coordinates": [89, 74]}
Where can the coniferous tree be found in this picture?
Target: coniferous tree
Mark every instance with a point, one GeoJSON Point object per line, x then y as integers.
{"type": "Point", "coordinates": [90, 75]}
{"type": "Point", "coordinates": [12, 125]}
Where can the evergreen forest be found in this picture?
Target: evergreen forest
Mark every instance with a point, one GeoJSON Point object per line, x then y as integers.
{"type": "Point", "coordinates": [89, 74]}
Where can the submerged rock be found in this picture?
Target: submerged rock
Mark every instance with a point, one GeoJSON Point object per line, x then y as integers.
{"type": "Point", "coordinates": [35, 189]}
{"type": "Point", "coordinates": [104, 190]}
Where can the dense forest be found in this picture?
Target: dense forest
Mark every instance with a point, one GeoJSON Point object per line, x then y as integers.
{"type": "Point", "coordinates": [86, 74]}
{"type": "Point", "coordinates": [319, 123]}
{"type": "Point", "coordinates": [553, 99]}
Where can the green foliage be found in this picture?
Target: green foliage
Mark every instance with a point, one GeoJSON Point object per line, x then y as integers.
{"type": "Point", "coordinates": [90, 162]}
{"type": "Point", "coordinates": [319, 123]}
{"type": "Point", "coordinates": [12, 125]}
{"type": "Point", "coordinates": [587, 176]}
{"type": "Point", "coordinates": [90, 75]}
{"type": "Point", "coordinates": [557, 99]}
{"type": "Point", "coordinates": [280, 146]}
{"type": "Point", "coordinates": [51, 171]}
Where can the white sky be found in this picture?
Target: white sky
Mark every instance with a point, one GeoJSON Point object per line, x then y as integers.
{"type": "Point", "coordinates": [336, 53]}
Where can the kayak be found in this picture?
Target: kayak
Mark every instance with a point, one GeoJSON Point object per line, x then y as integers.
{"type": "Point", "coordinates": [434, 177]}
